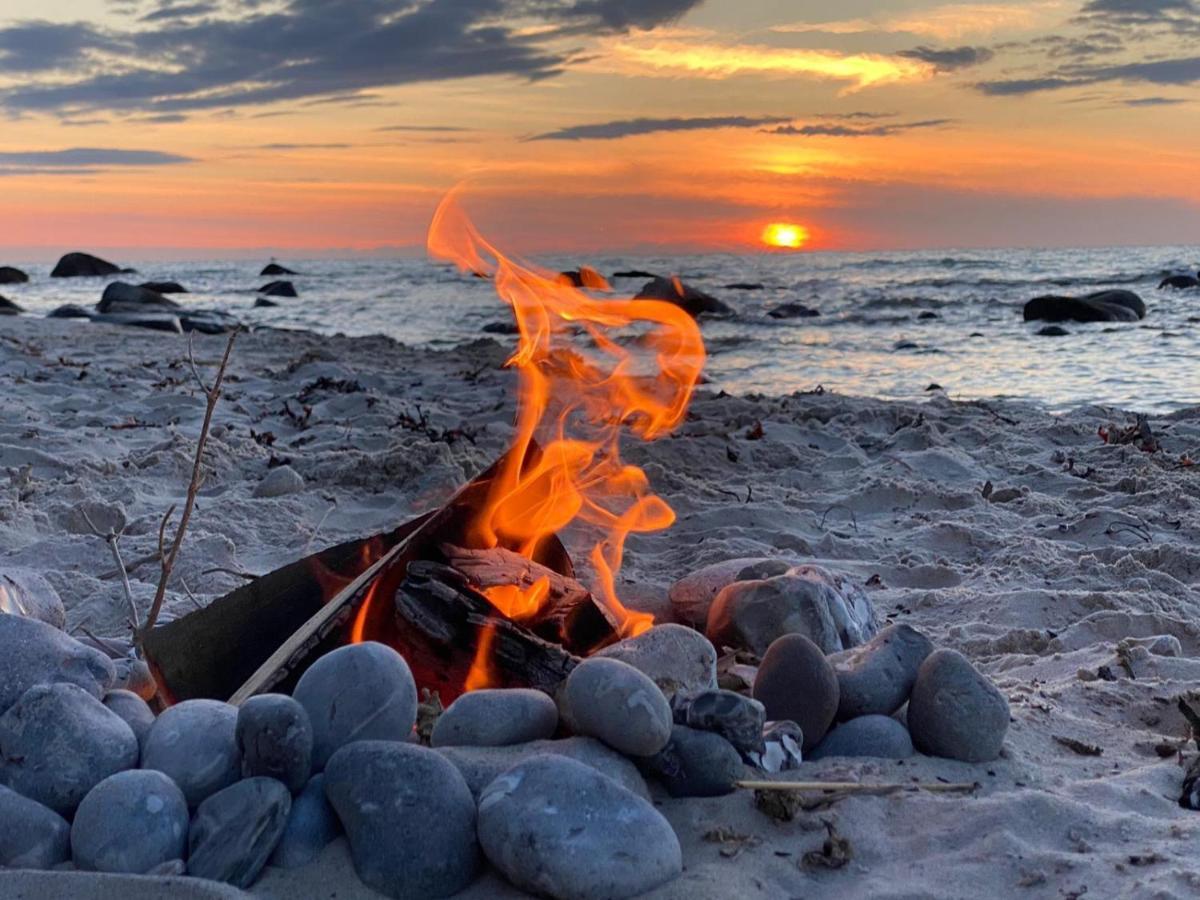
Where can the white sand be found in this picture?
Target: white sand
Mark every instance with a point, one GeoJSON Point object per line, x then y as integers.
{"type": "Point", "coordinates": [1036, 590]}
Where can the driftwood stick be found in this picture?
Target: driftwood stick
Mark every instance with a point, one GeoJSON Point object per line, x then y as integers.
{"type": "Point", "coordinates": [112, 537]}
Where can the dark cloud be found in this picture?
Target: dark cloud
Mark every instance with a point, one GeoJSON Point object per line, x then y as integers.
{"type": "Point", "coordinates": [422, 128]}
{"type": "Point", "coordinates": [607, 131]}
{"type": "Point", "coordinates": [1143, 8]}
{"type": "Point", "coordinates": [186, 11]}
{"type": "Point", "coordinates": [829, 130]}
{"type": "Point", "coordinates": [1177, 72]}
{"type": "Point", "coordinates": [86, 158]}
{"type": "Point", "coordinates": [949, 58]}
{"type": "Point", "coordinates": [1018, 86]}
{"type": "Point", "coordinates": [36, 47]}
{"type": "Point", "coordinates": [624, 14]}
{"type": "Point", "coordinates": [1155, 101]}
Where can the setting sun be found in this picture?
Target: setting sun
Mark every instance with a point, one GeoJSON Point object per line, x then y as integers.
{"type": "Point", "coordinates": [785, 235]}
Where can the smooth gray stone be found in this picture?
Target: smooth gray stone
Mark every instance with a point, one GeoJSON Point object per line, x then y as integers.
{"type": "Point", "coordinates": [279, 289]}
{"type": "Point", "coordinates": [311, 826]}
{"type": "Point", "coordinates": [275, 739]}
{"type": "Point", "coordinates": [419, 843]}
{"type": "Point", "coordinates": [874, 735]}
{"type": "Point", "coordinates": [84, 265]}
{"type": "Point", "coordinates": [359, 692]}
{"type": "Point", "coordinates": [24, 592]}
{"type": "Point", "coordinates": [480, 766]}
{"type": "Point", "coordinates": [496, 718]}
{"type": "Point", "coordinates": [279, 482]}
{"type": "Point", "coordinates": [120, 297]}
{"type": "Point", "coordinates": [692, 595]}
{"type": "Point", "coordinates": [133, 711]}
{"type": "Point", "coordinates": [32, 836]}
{"type": "Point", "coordinates": [796, 683]}
{"type": "Point", "coordinates": [58, 742]}
{"type": "Point", "coordinates": [613, 701]}
{"type": "Point", "coordinates": [37, 653]}
{"type": "Point", "coordinates": [236, 830]}
{"type": "Point", "coordinates": [675, 657]}
{"type": "Point", "coordinates": [955, 711]}
{"type": "Point", "coordinates": [194, 743]}
{"type": "Point", "coordinates": [150, 319]}
{"type": "Point", "coordinates": [134, 675]}
{"type": "Point", "coordinates": [697, 764]}
{"type": "Point", "coordinates": [876, 678]}
{"type": "Point", "coordinates": [737, 718]}
{"type": "Point", "coordinates": [132, 822]}
{"type": "Point", "coordinates": [560, 829]}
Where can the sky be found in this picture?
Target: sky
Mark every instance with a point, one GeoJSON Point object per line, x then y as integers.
{"type": "Point", "coordinates": [303, 127]}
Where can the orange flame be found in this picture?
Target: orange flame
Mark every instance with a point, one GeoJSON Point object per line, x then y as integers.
{"type": "Point", "coordinates": [637, 368]}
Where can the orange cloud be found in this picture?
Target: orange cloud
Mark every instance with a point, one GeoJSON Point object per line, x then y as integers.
{"type": "Point", "coordinates": [949, 22]}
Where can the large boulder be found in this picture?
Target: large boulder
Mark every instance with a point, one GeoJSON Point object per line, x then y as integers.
{"type": "Point", "coordinates": [1102, 306]}
{"type": "Point", "coordinates": [279, 289]}
{"type": "Point", "coordinates": [9, 308]}
{"type": "Point", "coordinates": [195, 744]}
{"type": "Point", "coordinates": [132, 822]}
{"type": "Point", "coordinates": [692, 596]}
{"type": "Point", "coordinates": [11, 275]}
{"type": "Point", "coordinates": [496, 718]}
{"type": "Point", "coordinates": [694, 302]}
{"type": "Point", "coordinates": [273, 269]}
{"type": "Point", "coordinates": [1180, 282]}
{"type": "Point", "coordinates": [796, 683]}
{"type": "Point", "coordinates": [36, 653]}
{"type": "Point", "coordinates": [32, 836]}
{"type": "Point", "coordinates": [877, 677]}
{"type": "Point", "coordinates": [120, 297]}
{"type": "Point", "coordinates": [614, 702]}
{"type": "Point", "coordinates": [84, 265]}
{"type": "Point", "coordinates": [164, 287]}
{"type": "Point", "coordinates": [955, 711]}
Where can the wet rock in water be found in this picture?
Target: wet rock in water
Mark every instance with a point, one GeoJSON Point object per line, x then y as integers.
{"type": "Point", "coordinates": [37, 653]}
{"type": "Point", "coordinates": [927, 315]}
{"type": "Point", "coordinates": [501, 328]}
{"type": "Point", "coordinates": [237, 829]}
{"type": "Point", "coordinates": [84, 265]}
{"type": "Point", "coordinates": [264, 303]}
{"type": "Point", "coordinates": [1101, 306]}
{"type": "Point", "coordinates": [693, 595]}
{"type": "Point", "coordinates": [194, 743]}
{"type": "Point", "coordinates": [736, 718]}
{"type": "Point", "coordinates": [496, 718]}
{"type": "Point", "coordinates": [154, 321]}
{"type": "Point", "coordinates": [69, 311]}
{"type": "Point", "coordinates": [359, 692]}
{"type": "Point", "coordinates": [421, 842]}
{"type": "Point", "coordinates": [826, 608]}
{"type": "Point", "coordinates": [275, 739]}
{"type": "Point", "coordinates": [1179, 282]}
{"type": "Point", "coordinates": [793, 311]}
{"type": "Point", "coordinates": [311, 826]}
{"type": "Point", "coordinates": [745, 286]}
{"type": "Point", "coordinates": [906, 345]}
{"type": "Point", "coordinates": [877, 677]}
{"type": "Point", "coordinates": [134, 675]}
{"type": "Point", "coordinates": [280, 482]}
{"type": "Point", "coordinates": [58, 742]}
{"type": "Point", "coordinates": [877, 736]}
{"type": "Point", "coordinates": [694, 302]}
{"type": "Point", "coordinates": [955, 711]}
{"type": "Point", "coordinates": [558, 828]}
{"type": "Point", "coordinates": [634, 273]}
{"type": "Point", "coordinates": [480, 766]}
{"type": "Point", "coordinates": [133, 711]}
{"type": "Point", "coordinates": [1053, 331]}
{"type": "Point", "coordinates": [696, 764]}
{"type": "Point", "coordinates": [611, 700]}
{"type": "Point", "coordinates": [783, 747]}
{"type": "Point", "coordinates": [23, 592]}
{"type": "Point", "coordinates": [675, 657]}
{"type": "Point", "coordinates": [12, 275]}
{"type": "Point", "coordinates": [585, 276]}
{"type": "Point", "coordinates": [273, 268]}
{"type": "Point", "coordinates": [32, 836]}
{"type": "Point", "coordinates": [797, 683]}
{"type": "Point", "coordinates": [279, 289]}
{"type": "Point", "coordinates": [132, 822]}
{"type": "Point", "coordinates": [164, 287]}
{"type": "Point", "coordinates": [120, 297]}
{"type": "Point", "coordinates": [10, 308]}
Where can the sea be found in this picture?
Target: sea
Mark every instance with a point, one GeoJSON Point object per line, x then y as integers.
{"type": "Point", "coordinates": [891, 325]}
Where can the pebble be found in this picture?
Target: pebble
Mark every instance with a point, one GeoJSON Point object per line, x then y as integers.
{"type": "Point", "coordinates": [280, 482]}
{"type": "Point", "coordinates": [796, 682]}
{"type": "Point", "coordinates": [496, 718]}
{"type": "Point", "coordinates": [58, 742]}
{"type": "Point", "coordinates": [236, 830]}
{"type": "Point", "coordinates": [613, 701]}
{"type": "Point", "coordinates": [133, 711]}
{"type": "Point", "coordinates": [955, 711]}
{"type": "Point", "coordinates": [32, 836]}
{"type": "Point", "coordinates": [37, 653]}
{"type": "Point", "coordinates": [697, 764]}
{"type": "Point", "coordinates": [736, 718]}
{"type": "Point", "coordinates": [421, 842]}
{"type": "Point", "coordinates": [876, 678]}
{"type": "Point", "coordinates": [132, 823]}
{"type": "Point", "coordinates": [675, 657]}
{"type": "Point", "coordinates": [194, 744]}
{"type": "Point", "coordinates": [24, 592]}
{"type": "Point", "coordinates": [359, 692]}
{"type": "Point", "coordinates": [275, 739]}
{"type": "Point", "coordinates": [692, 595]}
{"type": "Point", "coordinates": [874, 735]}
{"type": "Point", "coordinates": [783, 747]}
{"type": "Point", "coordinates": [311, 826]}
{"type": "Point", "coordinates": [558, 828]}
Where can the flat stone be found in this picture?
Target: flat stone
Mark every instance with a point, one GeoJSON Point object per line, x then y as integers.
{"type": "Point", "coordinates": [697, 764]}
{"type": "Point", "coordinates": [796, 682]}
{"type": "Point", "coordinates": [237, 829]}
{"type": "Point", "coordinates": [32, 836]}
{"type": "Point", "coordinates": [675, 657]}
{"type": "Point", "coordinates": [23, 592]}
{"type": "Point", "coordinates": [876, 678]}
{"type": "Point", "coordinates": [496, 718]}
{"type": "Point", "coordinates": [692, 595]}
{"type": "Point", "coordinates": [737, 718]}
{"type": "Point", "coordinates": [419, 843]}
{"type": "Point", "coordinates": [560, 829]}
{"type": "Point", "coordinates": [275, 739]}
{"type": "Point", "coordinates": [955, 711]}
{"type": "Point", "coordinates": [58, 742]}
{"type": "Point", "coordinates": [874, 735]}
{"type": "Point", "coordinates": [194, 743]}
{"type": "Point", "coordinates": [613, 701]}
{"type": "Point", "coordinates": [311, 826]}
{"type": "Point", "coordinates": [131, 822]}
{"type": "Point", "coordinates": [359, 692]}
{"type": "Point", "coordinates": [37, 653]}
{"type": "Point", "coordinates": [121, 297]}
{"type": "Point", "coordinates": [134, 712]}
{"type": "Point", "coordinates": [279, 482]}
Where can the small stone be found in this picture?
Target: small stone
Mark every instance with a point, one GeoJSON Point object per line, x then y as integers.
{"type": "Point", "coordinates": [236, 830]}
{"type": "Point", "coordinates": [359, 692]}
{"type": "Point", "coordinates": [24, 592]}
{"type": "Point", "coordinates": [311, 826]}
{"type": "Point", "coordinates": [133, 711]}
{"type": "Point", "coordinates": [58, 742]}
{"type": "Point", "coordinates": [105, 517]}
{"type": "Point", "coordinates": [955, 711]}
{"type": "Point", "coordinates": [280, 482]}
{"type": "Point", "coordinates": [132, 823]}
{"type": "Point", "coordinates": [134, 675]}
{"type": "Point", "coordinates": [878, 736]}
{"type": "Point", "coordinates": [420, 842]}
{"type": "Point", "coordinates": [783, 747]}
{"type": "Point", "coordinates": [275, 739]}
{"type": "Point", "coordinates": [613, 701]}
{"type": "Point", "coordinates": [876, 678]}
{"type": "Point", "coordinates": [736, 718]}
{"type": "Point", "coordinates": [32, 836]}
{"type": "Point", "coordinates": [676, 658]}
{"type": "Point", "coordinates": [692, 595]}
{"type": "Point", "coordinates": [194, 743]}
{"type": "Point", "coordinates": [496, 718]}
{"type": "Point", "coordinates": [37, 653]}
{"type": "Point", "coordinates": [560, 829]}
{"type": "Point", "coordinates": [697, 764]}
{"type": "Point", "coordinates": [797, 683]}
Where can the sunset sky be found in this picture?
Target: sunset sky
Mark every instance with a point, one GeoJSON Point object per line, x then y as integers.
{"type": "Point", "coordinates": [309, 126]}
